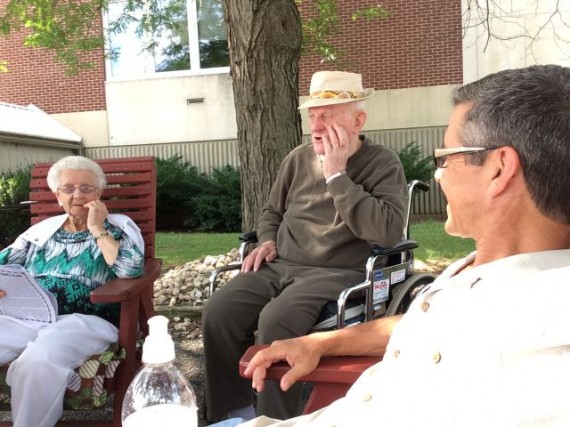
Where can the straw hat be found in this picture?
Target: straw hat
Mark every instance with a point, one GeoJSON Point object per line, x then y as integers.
{"type": "Point", "coordinates": [335, 87]}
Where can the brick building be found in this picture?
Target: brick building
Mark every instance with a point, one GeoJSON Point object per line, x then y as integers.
{"type": "Point", "coordinates": [418, 47]}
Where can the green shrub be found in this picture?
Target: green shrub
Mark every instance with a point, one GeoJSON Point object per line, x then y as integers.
{"type": "Point", "coordinates": [416, 166]}
{"type": "Point", "coordinates": [14, 188]}
{"type": "Point", "coordinates": [190, 200]}
{"type": "Point", "coordinates": [177, 183]}
{"type": "Point", "coordinates": [219, 207]}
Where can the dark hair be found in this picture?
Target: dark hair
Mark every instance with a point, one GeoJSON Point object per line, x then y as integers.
{"type": "Point", "coordinates": [529, 110]}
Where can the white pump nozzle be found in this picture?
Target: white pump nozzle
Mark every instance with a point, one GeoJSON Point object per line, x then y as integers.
{"type": "Point", "coordinates": [158, 346]}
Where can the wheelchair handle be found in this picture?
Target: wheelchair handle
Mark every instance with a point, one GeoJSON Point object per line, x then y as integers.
{"type": "Point", "coordinates": [413, 187]}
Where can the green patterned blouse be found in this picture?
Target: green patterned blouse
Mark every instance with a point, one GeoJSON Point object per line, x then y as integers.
{"type": "Point", "coordinates": [70, 265]}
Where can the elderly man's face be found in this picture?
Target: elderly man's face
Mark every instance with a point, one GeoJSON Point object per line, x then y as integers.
{"type": "Point", "coordinates": [461, 183]}
{"type": "Point", "coordinates": [343, 114]}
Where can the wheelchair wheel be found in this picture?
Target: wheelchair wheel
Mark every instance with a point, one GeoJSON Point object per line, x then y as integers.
{"type": "Point", "coordinates": [404, 293]}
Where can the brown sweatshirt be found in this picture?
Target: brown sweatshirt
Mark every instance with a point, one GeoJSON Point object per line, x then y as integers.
{"type": "Point", "coordinates": [335, 225]}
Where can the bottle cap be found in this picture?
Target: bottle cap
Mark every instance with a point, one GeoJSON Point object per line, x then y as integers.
{"type": "Point", "coordinates": [158, 346]}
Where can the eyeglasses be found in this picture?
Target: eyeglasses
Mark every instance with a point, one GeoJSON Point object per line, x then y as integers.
{"type": "Point", "coordinates": [440, 155]}
{"type": "Point", "coordinates": [70, 189]}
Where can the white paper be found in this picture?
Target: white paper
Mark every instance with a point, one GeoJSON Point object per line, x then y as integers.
{"type": "Point", "coordinates": [25, 299]}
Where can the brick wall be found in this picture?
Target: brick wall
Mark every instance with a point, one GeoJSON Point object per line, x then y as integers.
{"type": "Point", "coordinates": [419, 45]}
{"type": "Point", "coordinates": [34, 78]}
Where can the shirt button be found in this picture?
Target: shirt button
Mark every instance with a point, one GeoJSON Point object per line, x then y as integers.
{"type": "Point", "coordinates": [396, 353]}
{"type": "Point", "coordinates": [367, 397]}
{"type": "Point", "coordinates": [436, 357]}
{"type": "Point", "coordinates": [425, 306]}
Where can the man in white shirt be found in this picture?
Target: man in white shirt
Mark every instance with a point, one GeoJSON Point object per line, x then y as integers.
{"type": "Point", "coordinates": [487, 343]}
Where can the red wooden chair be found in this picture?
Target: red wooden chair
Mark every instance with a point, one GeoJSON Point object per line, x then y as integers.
{"type": "Point", "coordinates": [131, 190]}
{"type": "Point", "coordinates": [331, 379]}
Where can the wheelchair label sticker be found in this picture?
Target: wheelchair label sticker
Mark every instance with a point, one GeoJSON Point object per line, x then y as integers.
{"type": "Point", "coordinates": [398, 276]}
{"type": "Point", "coordinates": [378, 275]}
{"type": "Point", "coordinates": [381, 291]}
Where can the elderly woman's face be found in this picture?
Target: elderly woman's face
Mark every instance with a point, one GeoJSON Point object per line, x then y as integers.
{"type": "Point", "coordinates": [75, 189]}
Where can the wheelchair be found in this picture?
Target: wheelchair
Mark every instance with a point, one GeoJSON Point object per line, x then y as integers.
{"type": "Point", "coordinates": [385, 291]}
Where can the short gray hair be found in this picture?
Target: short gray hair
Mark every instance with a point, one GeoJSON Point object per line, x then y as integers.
{"type": "Point", "coordinates": [76, 163]}
{"type": "Point", "coordinates": [527, 109]}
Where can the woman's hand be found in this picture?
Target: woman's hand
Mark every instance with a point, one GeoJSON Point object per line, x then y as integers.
{"type": "Point", "coordinates": [2, 293]}
{"type": "Point", "coordinates": [96, 217]}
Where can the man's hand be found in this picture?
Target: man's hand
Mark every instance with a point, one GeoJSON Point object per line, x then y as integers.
{"type": "Point", "coordinates": [266, 252]}
{"type": "Point", "coordinates": [299, 353]}
{"type": "Point", "coordinates": [2, 293]}
{"type": "Point", "coordinates": [338, 149]}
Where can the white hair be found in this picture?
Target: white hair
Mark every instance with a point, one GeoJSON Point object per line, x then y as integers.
{"type": "Point", "coordinates": [76, 163]}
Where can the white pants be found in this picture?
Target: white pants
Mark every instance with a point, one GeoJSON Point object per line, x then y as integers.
{"type": "Point", "coordinates": [48, 355]}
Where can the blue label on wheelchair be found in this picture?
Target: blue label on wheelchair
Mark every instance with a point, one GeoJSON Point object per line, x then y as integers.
{"type": "Point", "coordinates": [378, 275]}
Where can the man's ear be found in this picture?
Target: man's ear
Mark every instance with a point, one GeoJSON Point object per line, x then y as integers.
{"type": "Point", "coordinates": [506, 166]}
{"type": "Point", "coordinates": [360, 120]}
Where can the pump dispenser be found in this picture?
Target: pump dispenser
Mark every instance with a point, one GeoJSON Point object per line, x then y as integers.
{"type": "Point", "coordinates": [159, 394]}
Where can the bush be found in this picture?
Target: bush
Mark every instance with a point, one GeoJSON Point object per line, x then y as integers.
{"type": "Point", "coordinates": [415, 165]}
{"type": "Point", "coordinates": [177, 183]}
{"type": "Point", "coordinates": [14, 188]}
{"type": "Point", "coordinates": [188, 199]}
{"type": "Point", "coordinates": [219, 208]}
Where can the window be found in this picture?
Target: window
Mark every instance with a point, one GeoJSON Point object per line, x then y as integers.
{"type": "Point", "coordinates": [188, 35]}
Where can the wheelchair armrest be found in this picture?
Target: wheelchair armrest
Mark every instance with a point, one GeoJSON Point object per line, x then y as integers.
{"type": "Point", "coordinates": [402, 246]}
{"type": "Point", "coordinates": [332, 378]}
{"type": "Point", "coordinates": [246, 239]}
{"type": "Point", "coordinates": [214, 274]}
{"type": "Point", "coordinates": [249, 237]}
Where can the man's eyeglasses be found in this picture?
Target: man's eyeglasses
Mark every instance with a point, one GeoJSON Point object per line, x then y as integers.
{"type": "Point", "coordinates": [70, 189]}
{"type": "Point", "coordinates": [440, 155]}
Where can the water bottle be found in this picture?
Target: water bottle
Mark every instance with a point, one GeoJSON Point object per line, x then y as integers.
{"type": "Point", "coordinates": [159, 394]}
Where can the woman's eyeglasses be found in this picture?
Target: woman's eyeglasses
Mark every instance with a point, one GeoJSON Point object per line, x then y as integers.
{"type": "Point", "coordinates": [440, 155]}
{"type": "Point", "coordinates": [70, 189]}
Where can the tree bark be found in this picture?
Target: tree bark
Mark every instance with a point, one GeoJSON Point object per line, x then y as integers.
{"type": "Point", "coordinates": [264, 38]}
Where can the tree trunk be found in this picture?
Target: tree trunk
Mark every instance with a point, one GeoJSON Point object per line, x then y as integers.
{"type": "Point", "coordinates": [264, 38]}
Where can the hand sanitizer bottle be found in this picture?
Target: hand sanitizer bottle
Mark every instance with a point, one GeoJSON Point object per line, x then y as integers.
{"type": "Point", "coordinates": [159, 394]}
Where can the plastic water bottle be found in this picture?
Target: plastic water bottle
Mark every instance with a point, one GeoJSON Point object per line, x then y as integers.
{"type": "Point", "coordinates": [159, 394]}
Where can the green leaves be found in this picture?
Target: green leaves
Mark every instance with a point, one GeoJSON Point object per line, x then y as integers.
{"type": "Point", "coordinates": [72, 27]}
{"type": "Point", "coordinates": [416, 166]}
{"type": "Point", "coordinates": [69, 27]}
{"type": "Point", "coordinates": [188, 199]}
{"type": "Point", "coordinates": [320, 31]}
{"type": "Point", "coordinates": [14, 188]}
{"type": "Point", "coordinates": [369, 13]}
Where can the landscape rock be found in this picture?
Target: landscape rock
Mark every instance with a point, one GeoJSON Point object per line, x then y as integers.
{"type": "Point", "coordinates": [189, 285]}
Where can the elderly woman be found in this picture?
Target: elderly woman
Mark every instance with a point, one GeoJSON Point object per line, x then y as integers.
{"type": "Point", "coordinates": [69, 255]}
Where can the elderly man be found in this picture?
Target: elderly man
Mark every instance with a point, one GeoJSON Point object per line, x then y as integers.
{"type": "Point", "coordinates": [331, 202]}
{"type": "Point", "coordinates": [487, 343]}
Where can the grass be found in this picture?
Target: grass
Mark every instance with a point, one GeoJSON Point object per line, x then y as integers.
{"type": "Point", "coordinates": [180, 248]}
{"type": "Point", "coordinates": [436, 249]}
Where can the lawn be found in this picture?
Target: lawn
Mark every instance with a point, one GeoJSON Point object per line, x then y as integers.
{"type": "Point", "coordinates": [436, 247]}
{"type": "Point", "coordinates": [179, 248]}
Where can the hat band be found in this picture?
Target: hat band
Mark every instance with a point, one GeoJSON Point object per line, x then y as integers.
{"type": "Point", "coordinates": [332, 94]}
